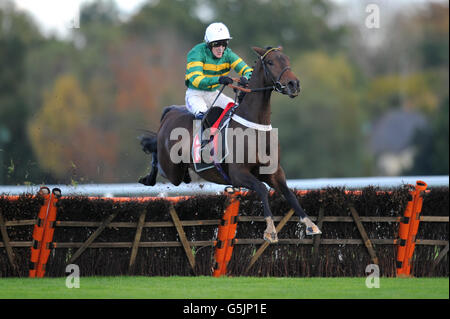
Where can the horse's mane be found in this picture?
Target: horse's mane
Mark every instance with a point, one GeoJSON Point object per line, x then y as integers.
{"type": "Point", "coordinates": [242, 94]}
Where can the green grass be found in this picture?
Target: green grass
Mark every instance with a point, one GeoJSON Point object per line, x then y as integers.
{"type": "Point", "coordinates": [223, 288]}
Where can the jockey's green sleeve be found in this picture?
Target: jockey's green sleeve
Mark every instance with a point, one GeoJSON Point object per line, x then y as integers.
{"type": "Point", "coordinates": [203, 69]}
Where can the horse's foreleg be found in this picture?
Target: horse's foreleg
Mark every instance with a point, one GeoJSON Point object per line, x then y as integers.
{"type": "Point", "coordinates": [278, 181]}
{"type": "Point", "coordinates": [244, 178]}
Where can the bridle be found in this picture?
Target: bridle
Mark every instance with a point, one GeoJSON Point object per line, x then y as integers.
{"type": "Point", "coordinates": [277, 85]}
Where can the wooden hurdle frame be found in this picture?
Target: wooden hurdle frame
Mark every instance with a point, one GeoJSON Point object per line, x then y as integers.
{"type": "Point", "coordinates": [46, 222]}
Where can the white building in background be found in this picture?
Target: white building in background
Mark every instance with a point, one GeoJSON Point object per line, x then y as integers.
{"type": "Point", "coordinates": [392, 140]}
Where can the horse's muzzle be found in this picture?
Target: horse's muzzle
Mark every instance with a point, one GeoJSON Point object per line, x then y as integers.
{"type": "Point", "coordinates": [293, 88]}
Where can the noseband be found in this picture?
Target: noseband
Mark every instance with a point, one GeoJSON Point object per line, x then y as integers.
{"type": "Point", "coordinates": [277, 86]}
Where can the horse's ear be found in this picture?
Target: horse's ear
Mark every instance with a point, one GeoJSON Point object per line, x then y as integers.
{"type": "Point", "coordinates": [259, 51]}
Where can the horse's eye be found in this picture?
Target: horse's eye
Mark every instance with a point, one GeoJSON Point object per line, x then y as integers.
{"type": "Point", "coordinates": [269, 62]}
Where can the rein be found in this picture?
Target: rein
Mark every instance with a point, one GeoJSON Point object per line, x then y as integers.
{"type": "Point", "coordinates": [277, 86]}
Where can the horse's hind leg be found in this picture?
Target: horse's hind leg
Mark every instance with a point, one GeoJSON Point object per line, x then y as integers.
{"type": "Point", "coordinates": [150, 179]}
{"type": "Point", "coordinates": [278, 181]}
{"type": "Point", "coordinates": [149, 146]}
{"type": "Point", "coordinates": [187, 178]}
{"type": "Point", "coordinates": [243, 178]}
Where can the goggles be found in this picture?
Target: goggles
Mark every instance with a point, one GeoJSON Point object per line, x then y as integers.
{"type": "Point", "coordinates": [223, 43]}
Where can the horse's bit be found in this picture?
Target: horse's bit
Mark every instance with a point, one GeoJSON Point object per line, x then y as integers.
{"type": "Point", "coordinates": [277, 86]}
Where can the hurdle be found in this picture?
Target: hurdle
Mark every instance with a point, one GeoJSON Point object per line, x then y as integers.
{"type": "Point", "coordinates": [43, 232]}
{"type": "Point", "coordinates": [408, 227]}
{"type": "Point", "coordinates": [206, 245]}
{"type": "Point", "coordinates": [226, 238]}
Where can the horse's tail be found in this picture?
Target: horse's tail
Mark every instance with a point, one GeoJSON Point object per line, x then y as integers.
{"type": "Point", "coordinates": [148, 142]}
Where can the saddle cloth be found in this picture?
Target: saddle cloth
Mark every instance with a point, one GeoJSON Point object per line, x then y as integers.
{"type": "Point", "coordinates": [215, 150]}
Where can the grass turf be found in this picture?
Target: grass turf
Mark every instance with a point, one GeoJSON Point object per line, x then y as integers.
{"type": "Point", "coordinates": [223, 288]}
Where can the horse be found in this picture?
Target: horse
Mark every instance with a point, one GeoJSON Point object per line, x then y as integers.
{"type": "Point", "coordinates": [271, 72]}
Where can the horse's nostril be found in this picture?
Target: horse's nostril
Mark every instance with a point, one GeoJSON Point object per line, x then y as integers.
{"type": "Point", "coordinates": [292, 84]}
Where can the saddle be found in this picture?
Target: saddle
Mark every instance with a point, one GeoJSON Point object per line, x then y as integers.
{"type": "Point", "coordinates": [211, 150]}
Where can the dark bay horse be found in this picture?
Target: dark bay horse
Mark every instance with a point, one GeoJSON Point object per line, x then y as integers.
{"type": "Point", "coordinates": [271, 72]}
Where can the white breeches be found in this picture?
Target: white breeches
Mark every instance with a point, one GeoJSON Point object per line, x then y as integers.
{"type": "Point", "coordinates": [200, 101]}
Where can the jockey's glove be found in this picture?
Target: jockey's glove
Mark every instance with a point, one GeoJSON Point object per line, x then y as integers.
{"type": "Point", "coordinates": [243, 81]}
{"type": "Point", "coordinates": [225, 80]}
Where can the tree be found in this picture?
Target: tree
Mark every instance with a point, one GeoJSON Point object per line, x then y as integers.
{"type": "Point", "coordinates": [413, 91]}
{"type": "Point", "coordinates": [320, 131]}
{"type": "Point", "coordinates": [409, 69]}
{"type": "Point", "coordinates": [432, 145]}
{"type": "Point", "coordinates": [432, 156]}
{"type": "Point", "coordinates": [168, 15]}
{"type": "Point", "coordinates": [297, 25]}
{"type": "Point", "coordinates": [65, 141]}
{"type": "Point", "coordinates": [18, 34]}
{"type": "Point", "coordinates": [116, 76]}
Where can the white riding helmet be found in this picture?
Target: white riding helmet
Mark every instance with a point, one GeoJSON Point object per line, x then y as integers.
{"type": "Point", "coordinates": [217, 31]}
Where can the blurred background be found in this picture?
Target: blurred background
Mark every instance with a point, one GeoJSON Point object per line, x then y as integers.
{"type": "Point", "coordinates": [78, 79]}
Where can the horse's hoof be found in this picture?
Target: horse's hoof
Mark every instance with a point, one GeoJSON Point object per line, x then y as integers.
{"type": "Point", "coordinates": [146, 181]}
{"type": "Point", "coordinates": [271, 238]}
{"type": "Point", "coordinates": [314, 230]}
{"type": "Point", "coordinates": [231, 190]}
{"type": "Point", "coordinates": [143, 180]}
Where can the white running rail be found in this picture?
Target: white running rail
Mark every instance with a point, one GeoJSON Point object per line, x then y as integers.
{"type": "Point", "coordinates": [162, 189]}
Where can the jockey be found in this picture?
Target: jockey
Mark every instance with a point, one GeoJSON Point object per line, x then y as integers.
{"type": "Point", "coordinates": [208, 66]}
